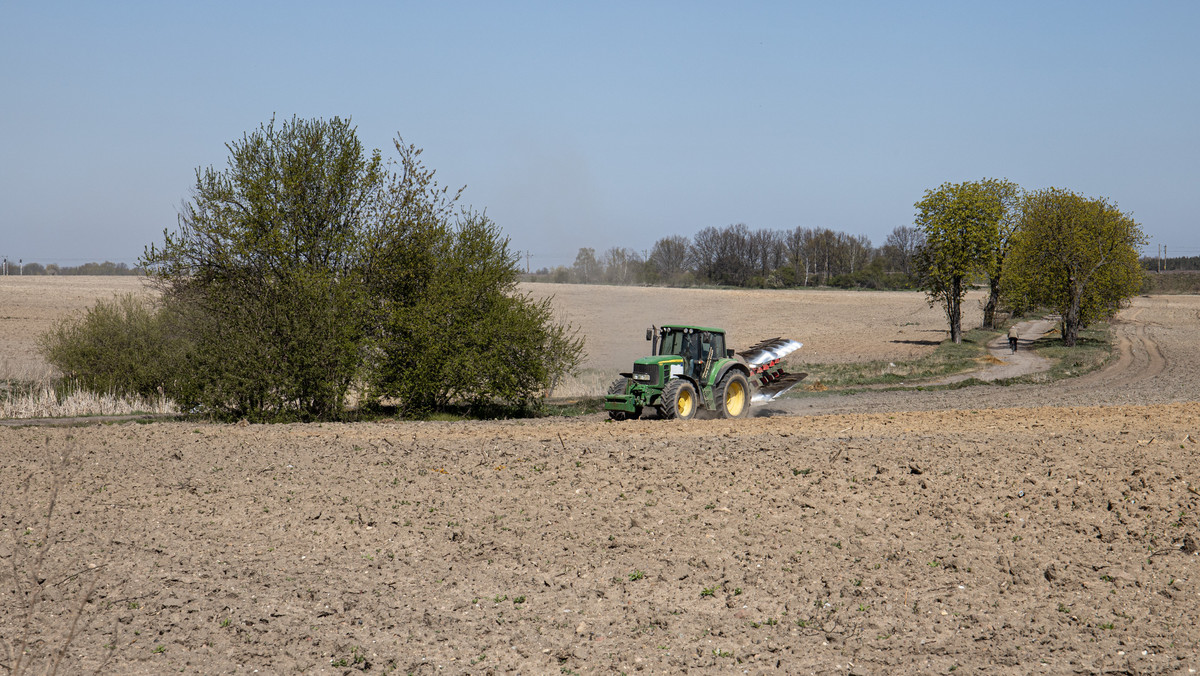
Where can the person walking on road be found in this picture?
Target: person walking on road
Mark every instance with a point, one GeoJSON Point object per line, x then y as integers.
{"type": "Point", "coordinates": [1013, 334]}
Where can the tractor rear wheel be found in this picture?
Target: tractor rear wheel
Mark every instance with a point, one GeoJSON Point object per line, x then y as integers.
{"type": "Point", "coordinates": [733, 395]}
{"type": "Point", "coordinates": [679, 400]}
{"type": "Point", "coordinates": [621, 386]}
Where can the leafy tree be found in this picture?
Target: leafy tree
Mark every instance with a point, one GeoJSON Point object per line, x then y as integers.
{"type": "Point", "coordinates": [266, 265]}
{"type": "Point", "coordinates": [960, 224]}
{"type": "Point", "coordinates": [1009, 195]}
{"type": "Point", "coordinates": [464, 333]}
{"type": "Point", "coordinates": [308, 268]}
{"type": "Point", "coordinates": [1075, 254]}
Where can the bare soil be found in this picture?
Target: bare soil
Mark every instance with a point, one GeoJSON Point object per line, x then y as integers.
{"type": "Point", "coordinates": [1013, 530]}
{"type": "Point", "coordinates": [835, 326]}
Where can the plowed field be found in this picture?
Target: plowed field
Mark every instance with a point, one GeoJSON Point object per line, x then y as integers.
{"type": "Point", "coordinates": [1012, 530]}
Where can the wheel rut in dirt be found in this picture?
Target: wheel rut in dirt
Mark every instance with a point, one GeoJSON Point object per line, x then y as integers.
{"type": "Point", "coordinates": [1140, 358]}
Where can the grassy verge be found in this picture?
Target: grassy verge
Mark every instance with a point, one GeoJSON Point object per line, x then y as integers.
{"type": "Point", "coordinates": [1092, 351]}
{"type": "Point", "coordinates": [587, 383]}
{"type": "Point", "coordinates": [948, 359]}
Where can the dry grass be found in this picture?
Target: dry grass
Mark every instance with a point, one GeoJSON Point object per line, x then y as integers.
{"type": "Point", "coordinates": [34, 304]}
{"type": "Point", "coordinates": [43, 400]}
{"type": "Point", "coordinates": [25, 369]}
{"type": "Point", "coordinates": [586, 383]}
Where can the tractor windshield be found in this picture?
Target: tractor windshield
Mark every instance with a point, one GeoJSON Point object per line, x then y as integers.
{"type": "Point", "coordinates": [672, 343]}
{"type": "Point", "coordinates": [696, 347]}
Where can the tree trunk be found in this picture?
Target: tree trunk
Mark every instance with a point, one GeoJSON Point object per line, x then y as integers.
{"type": "Point", "coordinates": [1070, 331]}
{"type": "Point", "coordinates": [989, 309]}
{"type": "Point", "coordinates": [954, 310]}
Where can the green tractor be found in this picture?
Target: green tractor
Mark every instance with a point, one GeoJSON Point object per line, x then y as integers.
{"type": "Point", "coordinates": [690, 370]}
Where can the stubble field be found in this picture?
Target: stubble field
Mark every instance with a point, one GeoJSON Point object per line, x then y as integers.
{"type": "Point", "coordinates": [1023, 529]}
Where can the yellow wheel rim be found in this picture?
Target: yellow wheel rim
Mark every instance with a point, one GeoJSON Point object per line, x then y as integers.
{"type": "Point", "coordinates": [735, 399]}
{"type": "Point", "coordinates": [685, 404]}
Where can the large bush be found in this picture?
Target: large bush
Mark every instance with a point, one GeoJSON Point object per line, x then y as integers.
{"type": "Point", "coordinates": [127, 345]}
{"type": "Point", "coordinates": [308, 268]}
{"type": "Point", "coordinates": [462, 333]}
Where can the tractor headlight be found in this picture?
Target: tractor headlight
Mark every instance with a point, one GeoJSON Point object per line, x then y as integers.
{"type": "Point", "coordinates": [641, 376]}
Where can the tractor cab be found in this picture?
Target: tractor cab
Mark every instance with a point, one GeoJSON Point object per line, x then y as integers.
{"type": "Point", "coordinates": [698, 346]}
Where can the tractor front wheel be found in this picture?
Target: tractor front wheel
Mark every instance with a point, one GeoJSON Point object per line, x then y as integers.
{"type": "Point", "coordinates": [679, 400]}
{"type": "Point", "coordinates": [733, 396]}
{"type": "Point", "coordinates": [621, 386]}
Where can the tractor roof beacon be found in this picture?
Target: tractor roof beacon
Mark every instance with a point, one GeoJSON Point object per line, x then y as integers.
{"type": "Point", "coordinates": [690, 369]}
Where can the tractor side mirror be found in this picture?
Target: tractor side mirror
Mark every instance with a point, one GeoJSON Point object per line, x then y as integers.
{"type": "Point", "coordinates": [649, 333]}
{"type": "Point", "coordinates": [729, 353]}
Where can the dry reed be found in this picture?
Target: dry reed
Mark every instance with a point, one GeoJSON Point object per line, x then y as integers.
{"type": "Point", "coordinates": [43, 400]}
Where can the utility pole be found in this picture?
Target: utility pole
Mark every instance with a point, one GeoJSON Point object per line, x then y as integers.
{"type": "Point", "coordinates": [527, 261]}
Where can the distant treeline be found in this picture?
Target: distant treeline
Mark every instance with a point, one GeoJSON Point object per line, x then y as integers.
{"type": "Point", "coordinates": [1154, 264]}
{"type": "Point", "coordinates": [1172, 282]}
{"type": "Point", "coordinates": [105, 268]}
{"type": "Point", "coordinates": [738, 256]}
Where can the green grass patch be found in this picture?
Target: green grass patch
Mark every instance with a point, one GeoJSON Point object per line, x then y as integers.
{"type": "Point", "coordinates": [948, 359]}
{"type": "Point", "coordinates": [1092, 350]}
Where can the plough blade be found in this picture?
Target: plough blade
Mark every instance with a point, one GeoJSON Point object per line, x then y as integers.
{"type": "Point", "coordinates": [767, 351]}
{"type": "Point", "coordinates": [766, 368]}
{"type": "Point", "coordinates": [777, 387]}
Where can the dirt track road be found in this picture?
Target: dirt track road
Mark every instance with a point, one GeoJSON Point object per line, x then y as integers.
{"type": "Point", "coordinates": [1007, 364]}
{"type": "Point", "coordinates": [987, 530]}
{"type": "Point", "coordinates": [1157, 362]}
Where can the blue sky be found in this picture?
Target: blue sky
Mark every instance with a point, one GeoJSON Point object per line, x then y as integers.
{"type": "Point", "coordinates": [605, 124]}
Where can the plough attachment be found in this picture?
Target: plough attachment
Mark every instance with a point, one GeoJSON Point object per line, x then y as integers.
{"type": "Point", "coordinates": [766, 369]}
